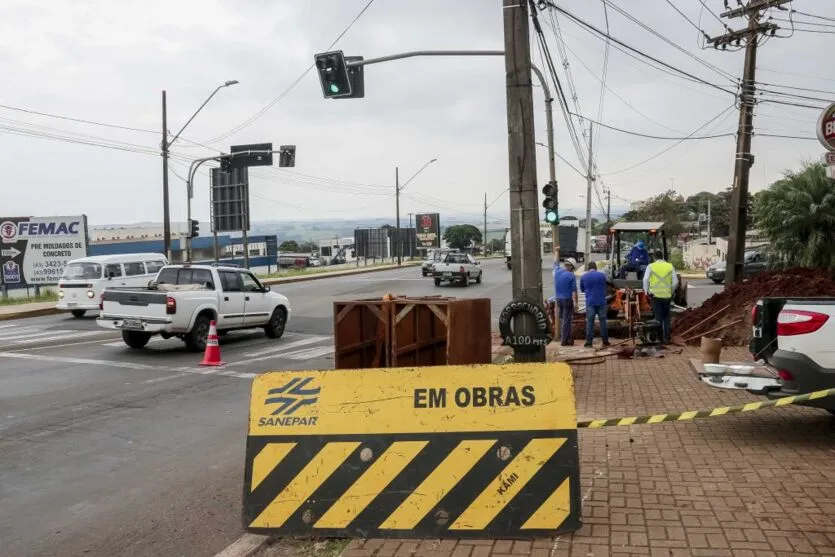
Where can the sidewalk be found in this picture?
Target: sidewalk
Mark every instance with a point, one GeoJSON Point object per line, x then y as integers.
{"type": "Point", "coordinates": [757, 484]}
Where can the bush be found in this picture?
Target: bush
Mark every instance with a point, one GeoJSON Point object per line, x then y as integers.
{"type": "Point", "coordinates": [677, 259]}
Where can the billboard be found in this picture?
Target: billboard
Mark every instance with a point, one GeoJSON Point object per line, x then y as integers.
{"type": "Point", "coordinates": [428, 230]}
{"type": "Point", "coordinates": [35, 250]}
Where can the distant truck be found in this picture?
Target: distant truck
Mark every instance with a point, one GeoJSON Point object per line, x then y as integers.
{"type": "Point", "coordinates": [182, 301]}
{"type": "Point", "coordinates": [572, 241]}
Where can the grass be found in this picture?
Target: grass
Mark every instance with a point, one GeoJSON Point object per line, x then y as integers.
{"type": "Point", "coordinates": [47, 296]}
{"type": "Point", "coordinates": [304, 548]}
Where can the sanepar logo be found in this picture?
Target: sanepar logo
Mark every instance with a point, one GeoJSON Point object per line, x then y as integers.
{"type": "Point", "coordinates": [290, 397]}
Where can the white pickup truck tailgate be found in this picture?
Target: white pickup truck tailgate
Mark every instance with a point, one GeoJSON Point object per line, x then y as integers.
{"type": "Point", "coordinates": [808, 328]}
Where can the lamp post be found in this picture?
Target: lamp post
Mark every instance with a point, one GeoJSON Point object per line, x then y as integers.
{"type": "Point", "coordinates": [166, 211]}
{"type": "Point", "coordinates": [397, 189]}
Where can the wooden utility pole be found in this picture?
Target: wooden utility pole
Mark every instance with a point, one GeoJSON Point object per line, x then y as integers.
{"type": "Point", "coordinates": [484, 240]}
{"type": "Point", "coordinates": [744, 158]}
{"type": "Point", "coordinates": [521, 144]}
{"type": "Point", "coordinates": [589, 188]}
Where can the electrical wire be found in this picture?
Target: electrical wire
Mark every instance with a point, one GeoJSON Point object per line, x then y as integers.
{"type": "Point", "coordinates": [246, 123]}
{"type": "Point", "coordinates": [725, 112]}
{"type": "Point", "coordinates": [812, 15]}
{"type": "Point", "coordinates": [649, 136]}
{"type": "Point", "coordinates": [78, 120]}
{"type": "Point", "coordinates": [690, 21]}
{"type": "Point", "coordinates": [711, 12]}
{"type": "Point", "coordinates": [601, 33]}
{"type": "Point", "coordinates": [604, 72]}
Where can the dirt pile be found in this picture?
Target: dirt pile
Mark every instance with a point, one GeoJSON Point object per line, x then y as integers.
{"type": "Point", "coordinates": [741, 298]}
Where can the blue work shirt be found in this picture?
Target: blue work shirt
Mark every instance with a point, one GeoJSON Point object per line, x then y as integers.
{"type": "Point", "coordinates": [593, 284]}
{"type": "Point", "coordinates": [638, 256]}
{"type": "Point", "coordinates": [565, 284]}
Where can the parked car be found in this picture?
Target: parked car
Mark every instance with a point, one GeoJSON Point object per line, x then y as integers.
{"type": "Point", "coordinates": [754, 262]}
{"type": "Point", "coordinates": [182, 301]}
{"type": "Point", "coordinates": [457, 268]}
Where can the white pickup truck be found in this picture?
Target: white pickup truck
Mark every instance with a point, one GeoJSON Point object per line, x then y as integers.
{"type": "Point", "coordinates": [792, 339]}
{"type": "Point", "coordinates": [457, 267]}
{"type": "Point", "coordinates": [183, 299]}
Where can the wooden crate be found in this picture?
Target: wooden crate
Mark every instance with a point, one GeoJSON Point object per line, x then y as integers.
{"type": "Point", "coordinates": [362, 334]}
{"type": "Point", "coordinates": [435, 331]}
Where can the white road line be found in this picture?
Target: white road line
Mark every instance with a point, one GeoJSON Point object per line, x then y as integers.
{"type": "Point", "coordinates": [287, 346]}
{"type": "Point", "coordinates": [53, 346]}
{"type": "Point", "coordinates": [65, 336]}
{"type": "Point", "coordinates": [65, 360]}
{"type": "Point", "coordinates": [9, 325]}
{"type": "Point", "coordinates": [22, 331]}
{"type": "Point", "coordinates": [309, 353]}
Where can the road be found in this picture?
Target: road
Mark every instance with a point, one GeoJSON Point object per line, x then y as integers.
{"type": "Point", "coordinates": [108, 451]}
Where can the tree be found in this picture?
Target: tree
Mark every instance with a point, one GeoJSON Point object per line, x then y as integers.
{"type": "Point", "coordinates": [462, 236]}
{"type": "Point", "coordinates": [797, 215]}
{"type": "Point", "coordinates": [665, 207]}
{"type": "Point", "coordinates": [289, 245]}
{"type": "Point", "coordinates": [496, 245]}
{"type": "Point", "coordinates": [308, 247]}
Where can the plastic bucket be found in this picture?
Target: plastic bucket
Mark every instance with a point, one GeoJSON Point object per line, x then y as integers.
{"type": "Point", "coordinates": [711, 349]}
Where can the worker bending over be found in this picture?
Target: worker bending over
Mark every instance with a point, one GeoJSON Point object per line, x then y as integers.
{"type": "Point", "coordinates": [636, 261]}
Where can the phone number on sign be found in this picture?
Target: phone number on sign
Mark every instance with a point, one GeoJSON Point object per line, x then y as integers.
{"type": "Point", "coordinates": [47, 273]}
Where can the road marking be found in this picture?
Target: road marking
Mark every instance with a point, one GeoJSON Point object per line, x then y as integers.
{"type": "Point", "coordinates": [308, 353]}
{"type": "Point", "coordinates": [274, 355]}
{"type": "Point", "coordinates": [282, 347]}
{"type": "Point", "coordinates": [66, 335]}
{"type": "Point", "coordinates": [53, 346]}
{"type": "Point", "coordinates": [22, 331]}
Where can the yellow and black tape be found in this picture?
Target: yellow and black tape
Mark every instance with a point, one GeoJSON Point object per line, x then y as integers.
{"type": "Point", "coordinates": [474, 484]}
{"type": "Point", "coordinates": [695, 414]}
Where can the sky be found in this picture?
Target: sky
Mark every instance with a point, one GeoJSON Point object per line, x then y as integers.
{"type": "Point", "coordinates": [108, 62]}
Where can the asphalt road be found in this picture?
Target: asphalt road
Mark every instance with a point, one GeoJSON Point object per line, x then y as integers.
{"type": "Point", "coordinates": [106, 451]}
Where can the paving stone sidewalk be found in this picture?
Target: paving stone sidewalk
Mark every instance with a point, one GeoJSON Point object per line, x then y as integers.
{"type": "Point", "coordinates": [760, 484]}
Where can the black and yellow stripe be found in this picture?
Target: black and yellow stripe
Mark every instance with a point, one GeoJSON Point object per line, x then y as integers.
{"type": "Point", "coordinates": [695, 414]}
{"type": "Point", "coordinates": [483, 485]}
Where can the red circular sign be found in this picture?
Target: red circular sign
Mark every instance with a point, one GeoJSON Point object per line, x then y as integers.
{"type": "Point", "coordinates": [826, 127]}
{"type": "Point", "coordinates": [426, 221]}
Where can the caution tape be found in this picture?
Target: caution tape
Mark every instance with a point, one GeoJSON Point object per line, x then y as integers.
{"type": "Point", "coordinates": [695, 414]}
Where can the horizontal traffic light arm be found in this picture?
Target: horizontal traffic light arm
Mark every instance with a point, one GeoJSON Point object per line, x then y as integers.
{"type": "Point", "coordinates": [412, 54]}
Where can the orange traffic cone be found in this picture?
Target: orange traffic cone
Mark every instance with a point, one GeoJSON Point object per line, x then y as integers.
{"type": "Point", "coordinates": [212, 355]}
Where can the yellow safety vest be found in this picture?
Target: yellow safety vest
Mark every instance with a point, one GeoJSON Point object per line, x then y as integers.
{"type": "Point", "coordinates": [661, 279]}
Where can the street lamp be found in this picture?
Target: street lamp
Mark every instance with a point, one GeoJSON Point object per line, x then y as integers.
{"type": "Point", "coordinates": [397, 189]}
{"type": "Point", "coordinates": [166, 216]}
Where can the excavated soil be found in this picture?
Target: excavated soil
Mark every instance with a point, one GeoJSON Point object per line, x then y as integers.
{"type": "Point", "coordinates": [742, 297]}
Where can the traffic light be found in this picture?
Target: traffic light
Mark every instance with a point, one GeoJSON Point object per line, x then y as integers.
{"type": "Point", "coordinates": [194, 228]}
{"type": "Point", "coordinates": [550, 203]}
{"type": "Point", "coordinates": [287, 156]}
{"type": "Point", "coordinates": [333, 74]}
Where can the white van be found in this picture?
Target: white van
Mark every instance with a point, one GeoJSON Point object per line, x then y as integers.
{"type": "Point", "coordinates": [84, 279]}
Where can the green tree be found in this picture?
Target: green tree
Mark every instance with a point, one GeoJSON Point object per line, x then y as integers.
{"type": "Point", "coordinates": [462, 236]}
{"type": "Point", "coordinates": [797, 215]}
{"type": "Point", "coordinates": [664, 207]}
{"type": "Point", "coordinates": [308, 246]}
{"type": "Point", "coordinates": [496, 245]}
{"type": "Point", "coordinates": [289, 245]}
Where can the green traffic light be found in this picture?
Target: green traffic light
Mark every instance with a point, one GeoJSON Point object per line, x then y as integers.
{"type": "Point", "coordinates": [334, 88]}
{"type": "Point", "coordinates": [551, 217]}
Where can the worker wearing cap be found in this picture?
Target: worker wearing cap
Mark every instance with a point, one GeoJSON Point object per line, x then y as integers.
{"type": "Point", "coordinates": [565, 286]}
{"type": "Point", "coordinates": [636, 261]}
{"type": "Point", "coordinates": [660, 281]}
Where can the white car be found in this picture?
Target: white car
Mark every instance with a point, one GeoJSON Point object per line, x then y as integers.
{"type": "Point", "coordinates": [183, 300]}
{"type": "Point", "coordinates": [457, 267]}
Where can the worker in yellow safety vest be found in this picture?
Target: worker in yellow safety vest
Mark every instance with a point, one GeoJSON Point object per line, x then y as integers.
{"type": "Point", "coordinates": [660, 281]}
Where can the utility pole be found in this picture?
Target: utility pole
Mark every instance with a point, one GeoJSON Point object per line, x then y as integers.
{"type": "Point", "coordinates": [744, 158]}
{"type": "Point", "coordinates": [521, 143]}
{"type": "Point", "coordinates": [397, 205]}
{"type": "Point", "coordinates": [608, 209]}
{"type": "Point", "coordinates": [484, 242]}
{"type": "Point", "coordinates": [589, 187]}
{"type": "Point", "coordinates": [166, 210]}
{"type": "Point", "coordinates": [708, 222]}
{"type": "Point", "coordinates": [411, 239]}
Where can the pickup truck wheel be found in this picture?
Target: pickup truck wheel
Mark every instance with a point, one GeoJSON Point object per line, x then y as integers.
{"type": "Point", "coordinates": [717, 281]}
{"type": "Point", "coordinates": [196, 337]}
{"type": "Point", "coordinates": [278, 320]}
{"type": "Point", "coordinates": [478, 278]}
{"type": "Point", "coordinates": [467, 280]}
{"type": "Point", "coordinates": [78, 313]}
{"type": "Point", "coordinates": [136, 339]}
{"type": "Point", "coordinates": [437, 282]}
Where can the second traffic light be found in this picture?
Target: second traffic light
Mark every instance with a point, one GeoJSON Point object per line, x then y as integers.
{"type": "Point", "coordinates": [194, 228]}
{"type": "Point", "coordinates": [333, 74]}
{"type": "Point", "coordinates": [552, 206]}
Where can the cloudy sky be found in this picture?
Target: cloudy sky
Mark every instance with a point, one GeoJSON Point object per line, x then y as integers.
{"type": "Point", "coordinates": [107, 62]}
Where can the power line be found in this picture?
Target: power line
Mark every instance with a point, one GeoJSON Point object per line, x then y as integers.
{"type": "Point", "coordinates": [812, 15]}
{"type": "Point", "coordinates": [711, 12]}
{"type": "Point", "coordinates": [725, 112]}
{"type": "Point", "coordinates": [690, 21]}
{"type": "Point", "coordinates": [633, 49]}
{"type": "Point", "coordinates": [677, 138]}
{"type": "Point", "coordinates": [79, 120]}
{"type": "Point", "coordinates": [286, 91]}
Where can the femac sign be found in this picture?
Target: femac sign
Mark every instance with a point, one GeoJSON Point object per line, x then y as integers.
{"type": "Point", "coordinates": [483, 451]}
{"type": "Point", "coordinates": [35, 250]}
{"type": "Point", "coordinates": [428, 227]}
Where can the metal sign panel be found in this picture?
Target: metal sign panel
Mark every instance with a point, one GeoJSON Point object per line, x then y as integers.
{"type": "Point", "coordinates": [483, 451]}
{"type": "Point", "coordinates": [428, 230]}
{"type": "Point", "coordinates": [255, 159]}
{"type": "Point", "coordinates": [230, 200]}
{"type": "Point", "coordinates": [36, 250]}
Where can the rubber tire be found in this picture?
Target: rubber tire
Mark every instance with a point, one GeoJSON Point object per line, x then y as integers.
{"type": "Point", "coordinates": [437, 282]}
{"type": "Point", "coordinates": [717, 281]}
{"type": "Point", "coordinates": [78, 313]}
{"type": "Point", "coordinates": [195, 339]}
{"type": "Point", "coordinates": [277, 323]}
{"type": "Point", "coordinates": [466, 280]}
{"type": "Point", "coordinates": [478, 278]}
{"type": "Point", "coordinates": [136, 339]}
